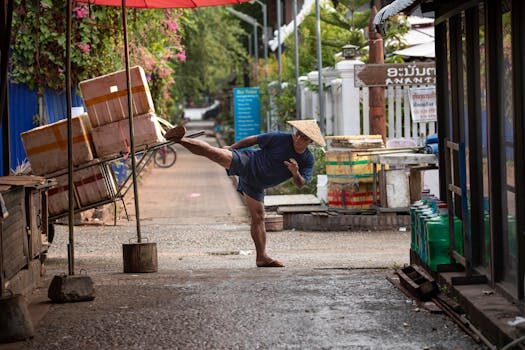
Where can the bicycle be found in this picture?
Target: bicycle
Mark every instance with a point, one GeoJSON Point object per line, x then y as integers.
{"type": "Point", "coordinates": [165, 157]}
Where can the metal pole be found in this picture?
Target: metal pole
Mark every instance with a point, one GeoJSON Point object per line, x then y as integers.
{"type": "Point", "coordinates": [265, 38]}
{"type": "Point", "coordinates": [3, 80]}
{"type": "Point", "coordinates": [130, 117]}
{"type": "Point", "coordinates": [249, 38]}
{"type": "Point", "coordinates": [256, 51]}
{"type": "Point", "coordinates": [319, 65]}
{"type": "Point", "coordinates": [279, 51]}
{"type": "Point", "coordinates": [71, 244]}
{"type": "Point", "coordinates": [7, 20]}
{"type": "Point", "coordinates": [296, 61]}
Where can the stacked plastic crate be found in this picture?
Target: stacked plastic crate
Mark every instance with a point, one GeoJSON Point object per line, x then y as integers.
{"type": "Point", "coordinates": [102, 133]}
{"type": "Point", "coordinates": [349, 171]}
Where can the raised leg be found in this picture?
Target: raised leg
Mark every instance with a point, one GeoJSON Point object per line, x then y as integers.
{"type": "Point", "coordinates": [258, 233]}
{"type": "Point", "coordinates": [221, 156]}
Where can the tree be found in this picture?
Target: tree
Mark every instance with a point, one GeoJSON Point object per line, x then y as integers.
{"type": "Point", "coordinates": [214, 54]}
{"type": "Point", "coordinates": [38, 46]}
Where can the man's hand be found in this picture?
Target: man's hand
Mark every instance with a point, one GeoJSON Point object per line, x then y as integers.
{"type": "Point", "coordinates": [292, 166]}
{"type": "Point", "coordinates": [227, 147]}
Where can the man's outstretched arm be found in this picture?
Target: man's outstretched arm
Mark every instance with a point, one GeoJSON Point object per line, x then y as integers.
{"type": "Point", "coordinates": [246, 142]}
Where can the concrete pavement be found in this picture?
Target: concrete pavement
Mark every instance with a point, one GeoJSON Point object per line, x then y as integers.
{"type": "Point", "coordinates": [208, 293]}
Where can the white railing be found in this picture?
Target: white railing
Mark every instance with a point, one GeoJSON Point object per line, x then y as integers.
{"type": "Point", "coordinates": [397, 111]}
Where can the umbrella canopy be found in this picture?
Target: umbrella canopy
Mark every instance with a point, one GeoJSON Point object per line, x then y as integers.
{"type": "Point", "coordinates": [165, 3]}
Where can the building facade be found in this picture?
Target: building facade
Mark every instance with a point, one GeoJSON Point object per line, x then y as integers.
{"type": "Point", "coordinates": [480, 64]}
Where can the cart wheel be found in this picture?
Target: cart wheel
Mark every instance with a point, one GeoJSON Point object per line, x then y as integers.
{"type": "Point", "coordinates": [165, 157]}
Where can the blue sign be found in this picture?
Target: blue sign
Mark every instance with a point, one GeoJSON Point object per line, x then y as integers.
{"type": "Point", "coordinates": [246, 112]}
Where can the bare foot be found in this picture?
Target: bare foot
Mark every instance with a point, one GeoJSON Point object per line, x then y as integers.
{"type": "Point", "coordinates": [269, 263]}
{"type": "Point", "coordinates": [176, 133]}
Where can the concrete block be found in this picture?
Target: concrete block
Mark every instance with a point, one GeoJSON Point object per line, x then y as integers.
{"type": "Point", "coordinates": [74, 288]}
{"type": "Point", "coordinates": [15, 322]}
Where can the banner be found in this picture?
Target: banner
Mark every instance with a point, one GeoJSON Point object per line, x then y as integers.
{"type": "Point", "coordinates": [246, 112]}
{"type": "Point", "coordinates": [423, 104]}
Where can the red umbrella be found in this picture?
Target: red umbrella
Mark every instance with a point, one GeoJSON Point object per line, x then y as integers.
{"type": "Point", "coordinates": [165, 3]}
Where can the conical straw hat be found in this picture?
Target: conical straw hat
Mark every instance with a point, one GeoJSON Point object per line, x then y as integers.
{"type": "Point", "coordinates": [309, 128]}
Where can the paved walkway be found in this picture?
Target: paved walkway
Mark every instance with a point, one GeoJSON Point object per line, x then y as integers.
{"type": "Point", "coordinates": [208, 293]}
{"type": "Point", "coordinates": [193, 190]}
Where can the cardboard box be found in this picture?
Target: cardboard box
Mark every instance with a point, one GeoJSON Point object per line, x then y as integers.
{"type": "Point", "coordinates": [351, 195]}
{"type": "Point", "coordinates": [112, 139]}
{"type": "Point", "coordinates": [91, 185]}
{"type": "Point", "coordinates": [57, 202]}
{"type": "Point", "coordinates": [106, 96]}
{"type": "Point", "coordinates": [46, 146]}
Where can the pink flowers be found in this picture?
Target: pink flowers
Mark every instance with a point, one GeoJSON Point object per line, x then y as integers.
{"type": "Point", "coordinates": [81, 11]}
{"type": "Point", "coordinates": [171, 25]}
{"type": "Point", "coordinates": [181, 56]}
{"type": "Point", "coordinates": [85, 48]}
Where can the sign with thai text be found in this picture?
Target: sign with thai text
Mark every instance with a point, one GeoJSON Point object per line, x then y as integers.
{"type": "Point", "coordinates": [246, 112]}
{"type": "Point", "coordinates": [406, 74]}
{"type": "Point", "coordinates": [423, 104]}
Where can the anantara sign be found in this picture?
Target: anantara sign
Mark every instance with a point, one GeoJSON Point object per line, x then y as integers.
{"type": "Point", "coordinates": [407, 74]}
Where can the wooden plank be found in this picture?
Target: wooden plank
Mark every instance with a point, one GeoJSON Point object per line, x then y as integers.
{"type": "Point", "coordinates": [295, 209]}
{"type": "Point", "coordinates": [404, 158]}
{"type": "Point", "coordinates": [366, 111]}
{"type": "Point", "coordinates": [35, 222]}
{"type": "Point", "coordinates": [15, 243]}
{"type": "Point", "coordinates": [390, 102]}
{"type": "Point", "coordinates": [398, 117]}
{"type": "Point", "coordinates": [382, 187]}
{"type": "Point", "coordinates": [2, 274]}
{"type": "Point", "coordinates": [431, 128]}
{"type": "Point", "coordinates": [22, 180]}
{"type": "Point", "coordinates": [295, 199]}
{"type": "Point", "coordinates": [406, 113]}
{"type": "Point", "coordinates": [415, 185]}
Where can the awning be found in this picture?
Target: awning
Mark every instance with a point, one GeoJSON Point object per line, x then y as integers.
{"type": "Point", "coordinates": [426, 50]}
{"type": "Point", "coordinates": [164, 3]}
{"type": "Point", "coordinates": [388, 11]}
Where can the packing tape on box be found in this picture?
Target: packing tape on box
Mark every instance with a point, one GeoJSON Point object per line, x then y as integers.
{"type": "Point", "coordinates": [82, 182]}
{"type": "Point", "coordinates": [114, 95]}
{"type": "Point", "coordinates": [59, 143]}
{"type": "Point", "coordinates": [56, 190]}
{"type": "Point", "coordinates": [86, 181]}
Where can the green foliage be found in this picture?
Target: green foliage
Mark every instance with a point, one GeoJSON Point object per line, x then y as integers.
{"type": "Point", "coordinates": [286, 107]}
{"type": "Point", "coordinates": [39, 43]}
{"type": "Point", "coordinates": [213, 41]}
{"type": "Point", "coordinates": [343, 26]}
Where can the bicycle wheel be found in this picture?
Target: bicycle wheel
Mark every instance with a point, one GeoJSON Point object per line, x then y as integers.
{"type": "Point", "coordinates": [165, 157]}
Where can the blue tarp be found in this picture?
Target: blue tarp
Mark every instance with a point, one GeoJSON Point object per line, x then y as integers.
{"type": "Point", "coordinates": [23, 113]}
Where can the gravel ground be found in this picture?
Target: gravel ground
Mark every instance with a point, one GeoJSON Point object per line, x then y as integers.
{"type": "Point", "coordinates": [208, 295]}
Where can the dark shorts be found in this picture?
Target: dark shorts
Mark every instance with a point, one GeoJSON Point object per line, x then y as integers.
{"type": "Point", "coordinates": [240, 167]}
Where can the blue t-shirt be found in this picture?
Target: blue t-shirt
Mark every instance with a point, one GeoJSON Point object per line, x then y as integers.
{"type": "Point", "coordinates": [267, 164]}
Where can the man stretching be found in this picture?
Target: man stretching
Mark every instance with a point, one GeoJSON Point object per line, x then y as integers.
{"type": "Point", "coordinates": [280, 156]}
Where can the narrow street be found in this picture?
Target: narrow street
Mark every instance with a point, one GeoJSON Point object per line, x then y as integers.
{"type": "Point", "coordinates": [208, 294]}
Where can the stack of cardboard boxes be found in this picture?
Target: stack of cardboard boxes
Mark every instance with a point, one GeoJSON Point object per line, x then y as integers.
{"type": "Point", "coordinates": [102, 133]}
{"type": "Point", "coordinates": [349, 171]}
